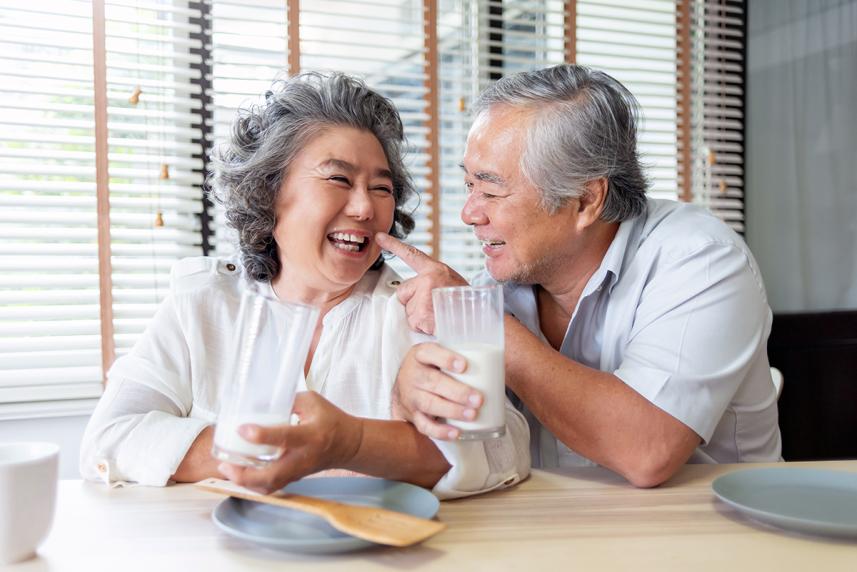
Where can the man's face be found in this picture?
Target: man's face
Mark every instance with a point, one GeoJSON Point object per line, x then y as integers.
{"type": "Point", "coordinates": [523, 242]}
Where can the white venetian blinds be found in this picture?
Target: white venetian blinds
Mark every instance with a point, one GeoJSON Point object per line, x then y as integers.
{"type": "Point", "coordinates": [249, 40]}
{"type": "Point", "coordinates": [635, 42]}
{"type": "Point", "coordinates": [154, 113]}
{"type": "Point", "coordinates": [49, 300]}
{"type": "Point", "coordinates": [716, 39]}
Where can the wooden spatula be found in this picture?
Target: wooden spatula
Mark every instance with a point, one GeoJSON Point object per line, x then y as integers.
{"type": "Point", "coordinates": [369, 523]}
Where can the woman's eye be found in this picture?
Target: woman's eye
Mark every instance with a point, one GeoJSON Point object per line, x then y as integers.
{"type": "Point", "coordinates": [339, 179]}
{"type": "Point", "coordinates": [386, 190]}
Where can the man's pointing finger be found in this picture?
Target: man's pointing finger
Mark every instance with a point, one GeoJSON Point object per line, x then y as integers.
{"type": "Point", "coordinates": [415, 258]}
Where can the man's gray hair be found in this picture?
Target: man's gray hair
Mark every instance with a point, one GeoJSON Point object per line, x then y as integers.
{"type": "Point", "coordinates": [247, 172]}
{"type": "Point", "coordinates": [584, 127]}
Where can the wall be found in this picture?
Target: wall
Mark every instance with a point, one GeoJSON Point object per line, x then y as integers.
{"type": "Point", "coordinates": [67, 432]}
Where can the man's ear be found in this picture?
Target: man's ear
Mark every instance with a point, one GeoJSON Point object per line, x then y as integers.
{"type": "Point", "coordinates": [591, 204]}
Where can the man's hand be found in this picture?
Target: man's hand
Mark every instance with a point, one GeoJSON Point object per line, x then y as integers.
{"type": "Point", "coordinates": [423, 393]}
{"type": "Point", "coordinates": [326, 438]}
{"type": "Point", "coordinates": [415, 293]}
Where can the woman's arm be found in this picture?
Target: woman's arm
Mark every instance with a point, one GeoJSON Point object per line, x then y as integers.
{"type": "Point", "coordinates": [198, 463]}
{"type": "Point", "coordinates": [328, 438]}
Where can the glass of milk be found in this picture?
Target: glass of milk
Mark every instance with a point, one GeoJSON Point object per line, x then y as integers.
{"type": "Point", "coordinates": [469, 321]}
{"type": "Point", "coordinates": [270, 344]}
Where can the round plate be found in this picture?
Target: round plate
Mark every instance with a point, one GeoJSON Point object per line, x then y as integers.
{"type": "Point", "coordinates": [295, 531]}
{"type": "Point", "coordinates": [814, 501]}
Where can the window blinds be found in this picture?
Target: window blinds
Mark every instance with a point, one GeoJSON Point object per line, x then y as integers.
{"type": "Point", "coordinates": [49, 301]}
{"type": "Point", "coordinates": [716, 52]}
{"type": "Point", "coordinates": [248, 51]}
{"type": "Point", "coordinates": [154, 121]}
{"type": "Point", "coordinates": [635, 42]}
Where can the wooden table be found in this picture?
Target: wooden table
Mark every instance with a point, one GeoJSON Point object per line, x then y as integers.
{"type": "Point", "coordinates": [581, 519]}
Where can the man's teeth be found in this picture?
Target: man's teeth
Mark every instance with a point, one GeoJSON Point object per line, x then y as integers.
{"type": "Point", "coordinates": [492, 242]}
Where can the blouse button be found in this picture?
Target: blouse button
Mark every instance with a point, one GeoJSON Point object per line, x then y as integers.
{"type": "Point", "coordinates": [101, 467]}
{"type": "Point", "coordinates": [394, 283]}
{"type": "Point", "coordinates": [230, 267]}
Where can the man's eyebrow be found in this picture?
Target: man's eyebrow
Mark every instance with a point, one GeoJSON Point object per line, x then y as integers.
{"type": "Point", "coordinates": [349, 168]}
{"type": "Point", "coordinates": [486, 176]}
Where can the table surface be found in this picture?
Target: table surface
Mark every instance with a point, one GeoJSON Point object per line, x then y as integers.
{"type": "Point", "coordinates": [564, 519]}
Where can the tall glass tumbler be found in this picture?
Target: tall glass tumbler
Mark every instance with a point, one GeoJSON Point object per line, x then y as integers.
{"type": "Point", "coordinates": [469, 321]}
{"type": "Point", "coordinates": [270, 345]}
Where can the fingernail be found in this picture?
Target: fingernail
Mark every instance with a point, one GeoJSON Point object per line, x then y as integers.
{"type": "Point", "coordinates": [458, 365]}
{"type": "Point", "coordinates": [223, 468]}
{"type": "Point", "coordinates": [452, 434]}
{"type": "Point", "coordinates": [474, 399]}
{"type": "Point", "coordinates": [247, 431]}
{"type": "Point", "coordinates": [469, 413]}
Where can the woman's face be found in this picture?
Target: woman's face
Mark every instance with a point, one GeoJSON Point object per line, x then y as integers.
{"type": "Point", "coordinates": [337, 194]}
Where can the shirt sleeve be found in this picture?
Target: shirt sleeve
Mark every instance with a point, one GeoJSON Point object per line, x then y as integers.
{"type": "Point", "coordinates": [483, 466]}
{"type": "Point", "coordinates": [697, 330]}
{"type": "Point", "coordinates": [140, 430]}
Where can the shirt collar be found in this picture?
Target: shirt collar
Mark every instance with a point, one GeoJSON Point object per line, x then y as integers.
{"type": "Point", "coordinates": [610, 268]}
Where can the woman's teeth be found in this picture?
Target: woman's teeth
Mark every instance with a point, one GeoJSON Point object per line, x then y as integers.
{"type": "Point", "coordinates": [349, 242]}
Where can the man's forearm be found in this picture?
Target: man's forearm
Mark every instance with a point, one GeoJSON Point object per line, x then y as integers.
{"type": "Point", "coordinates": [594, 413]}
{"type": "Point", "coordinates": [396, 450]}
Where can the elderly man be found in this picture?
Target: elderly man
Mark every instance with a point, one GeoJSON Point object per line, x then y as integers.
{"type": "Point", "coordinates": [636, 329]}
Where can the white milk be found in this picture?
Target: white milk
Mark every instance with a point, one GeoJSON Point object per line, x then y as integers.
{"type": "Point", "coordinates": [486, 372]}
{"type": "Point", "coordinates": [226, 437]}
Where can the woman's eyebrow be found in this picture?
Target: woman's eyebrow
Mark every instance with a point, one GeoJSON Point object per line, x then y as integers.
{"type": "Point", "coordinates": [349, 168]}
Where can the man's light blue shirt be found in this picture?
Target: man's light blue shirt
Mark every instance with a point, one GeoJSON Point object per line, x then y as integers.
{"type": "Point", "coordinates": [677, 310]}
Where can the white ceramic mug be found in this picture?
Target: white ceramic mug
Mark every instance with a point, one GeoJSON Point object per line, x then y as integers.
{"type": "Point", "coordinates": [28, 491]}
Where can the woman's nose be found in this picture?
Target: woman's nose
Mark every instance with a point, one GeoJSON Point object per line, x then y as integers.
{"type": "Point", "coordinates": [359, 204]}
{"type": "Point", "coordinates": [472, 212]}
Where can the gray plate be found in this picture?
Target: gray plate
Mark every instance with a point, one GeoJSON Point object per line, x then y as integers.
{"type": "Point", "coordinates": [814, 501]}
{"type": "Point", "coordinates": [295, 531]}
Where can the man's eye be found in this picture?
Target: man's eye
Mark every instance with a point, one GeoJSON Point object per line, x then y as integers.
{"type": "Point", "coordinates": [386, 190]}
{"type": "Point", "coordinates": [339, 179]}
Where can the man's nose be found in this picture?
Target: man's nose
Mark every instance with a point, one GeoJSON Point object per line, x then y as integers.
{"type": "Point", "coordinates": [472, 212]}
{"type": "Point", "coordinates": [359, 204]}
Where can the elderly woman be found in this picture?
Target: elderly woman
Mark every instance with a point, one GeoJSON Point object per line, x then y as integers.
{"type": "Point", "coordinates": [307, 180]}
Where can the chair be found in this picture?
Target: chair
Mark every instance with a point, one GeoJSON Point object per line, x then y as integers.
{"type": "Point", "coordinates": [777, 379]}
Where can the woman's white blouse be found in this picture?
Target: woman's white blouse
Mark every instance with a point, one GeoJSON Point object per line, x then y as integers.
{"type": "Point", "coordinates": [165, 391]}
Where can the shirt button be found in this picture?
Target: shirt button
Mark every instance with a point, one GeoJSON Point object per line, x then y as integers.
{"type": "Point", "coordinates": [101, 467]}
{"type": "Point", "coordinates": [394, 283]}
{"type": "Point", "coordinates": [230, 267]}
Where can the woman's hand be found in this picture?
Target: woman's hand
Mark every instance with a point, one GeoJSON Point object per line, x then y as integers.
{"type": "Point", "coordinates": [326, 438]}
{"type": "Point", "coordinates": [425, 395]}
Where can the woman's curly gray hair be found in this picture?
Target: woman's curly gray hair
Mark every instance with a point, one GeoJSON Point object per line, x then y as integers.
{"type": "Point", "coordinates": [246, 173]}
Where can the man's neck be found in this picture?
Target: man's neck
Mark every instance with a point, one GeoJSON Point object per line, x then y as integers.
{"type": "Point", "coordinates": [566, 284]}
{"type": "Point", "coordinates": [558, 295]}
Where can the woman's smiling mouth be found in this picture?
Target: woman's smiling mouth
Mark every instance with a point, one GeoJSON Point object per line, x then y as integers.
{"type": "Point", "coordinates": [348, 242]}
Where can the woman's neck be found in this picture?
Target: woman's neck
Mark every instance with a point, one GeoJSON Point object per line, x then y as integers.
{"type": "Point", "coordinates": [291, 288]}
